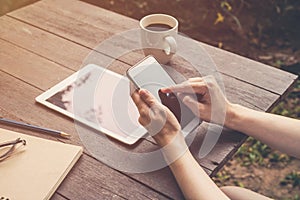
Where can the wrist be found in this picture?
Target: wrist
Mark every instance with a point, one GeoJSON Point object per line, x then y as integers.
{"type": "Point", "coordinates": [175, 149]}
{"type": "Point", "coordinates": [233, 116]}
{"type": "Point", "coordinates": [163, 139]}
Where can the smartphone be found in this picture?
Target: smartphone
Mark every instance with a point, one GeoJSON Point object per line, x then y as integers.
{"type": "Point", "coordinates": [150, 75]}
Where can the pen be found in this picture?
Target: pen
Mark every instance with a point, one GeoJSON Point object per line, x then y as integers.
{"type": "Point", "coordinates": [33, 127]}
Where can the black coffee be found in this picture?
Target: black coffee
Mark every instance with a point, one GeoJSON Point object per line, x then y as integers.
{"type": "Point", "coordinates": [158, 27]}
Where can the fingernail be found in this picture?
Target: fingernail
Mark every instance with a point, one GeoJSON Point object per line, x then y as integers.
{"type": "Point", "coordinates": [164, 90]}
{"type": "Point", "coordinates": [186, 99]}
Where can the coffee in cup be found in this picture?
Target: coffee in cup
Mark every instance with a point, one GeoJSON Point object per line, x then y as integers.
{"type": "Point", "coordinates": [158, 36]}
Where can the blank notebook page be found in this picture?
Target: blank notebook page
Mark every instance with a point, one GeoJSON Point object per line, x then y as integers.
{"type": "Point", "coordinates": [35, 170]}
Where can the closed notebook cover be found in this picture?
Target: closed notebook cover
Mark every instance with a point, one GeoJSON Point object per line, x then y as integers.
{"type": "Point", "coordinates": [35, 170]}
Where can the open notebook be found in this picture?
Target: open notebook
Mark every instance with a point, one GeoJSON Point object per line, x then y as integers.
{"type": "Point", "coordinates": [35, 170]}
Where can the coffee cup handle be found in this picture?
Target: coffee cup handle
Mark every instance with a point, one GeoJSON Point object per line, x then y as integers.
{"type": "Point", "coordinates": [172, 45]}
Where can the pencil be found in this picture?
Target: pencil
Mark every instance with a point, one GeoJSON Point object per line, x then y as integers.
{"type": "Point", "coordinates": [33, 127]}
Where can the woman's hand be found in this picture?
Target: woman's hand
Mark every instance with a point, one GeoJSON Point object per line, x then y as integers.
{"type": "Point", "coordinates": [156, 118]}
{"type": "Point", "coordinates": [204, 97]}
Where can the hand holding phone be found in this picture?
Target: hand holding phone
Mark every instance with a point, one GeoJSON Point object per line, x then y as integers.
{"type": "Point", "coordinates": [150, 75]}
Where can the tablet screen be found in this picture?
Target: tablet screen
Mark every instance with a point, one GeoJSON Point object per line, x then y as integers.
{"type": "Point", "coordinates": [99, 98]}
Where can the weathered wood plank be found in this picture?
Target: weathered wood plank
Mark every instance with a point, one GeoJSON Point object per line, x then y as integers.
{"type": "Point", "coordinates": [12, 56]}
{"type": "Point", "coordinates": [68, 27]}
{"type": "Point", "coordinates": [107, 183]}
{"type": "Point", "coordinates": [91, 14]}
{"type": "Point", "coordinates": [227, 145]}
{"type": "Point", "coordinates": [228, 63]}
{"type": "Point", "coordinates": [58, 27]}
{"type": "Point", "coordinates": [57, 196]}
{"type": "Point", "coordinates": [47, 45]}
{"type": "Point", "coordinates": [52, 47]}
{"type": "Point", "coordinates": [256, 73]}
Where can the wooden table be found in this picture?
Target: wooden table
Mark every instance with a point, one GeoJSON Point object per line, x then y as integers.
{"type": "Point", "coordinates": [45, 42]}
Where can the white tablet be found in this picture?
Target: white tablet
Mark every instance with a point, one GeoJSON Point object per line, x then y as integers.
{"type": "Point", "coordinates": [99, 98]}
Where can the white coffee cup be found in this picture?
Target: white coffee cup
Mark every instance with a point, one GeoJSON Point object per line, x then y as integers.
{"type": "Point", "coordinates": [158, 36]}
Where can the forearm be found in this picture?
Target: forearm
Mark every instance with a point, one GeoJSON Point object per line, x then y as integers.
{"type": "Point", "coordinates": [278, 132]}
{"type": "Point", "coordinates": [193, 181]}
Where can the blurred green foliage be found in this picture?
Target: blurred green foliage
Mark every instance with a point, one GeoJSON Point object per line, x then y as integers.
{"type": "Point", "coordinates": [290, 106]}
{"type": "Point", "coordinates": [292, 178]}
{"type": "Point", "coordinates": [297, 197]}
{"type": "Point", "coordinates": [255, 152]}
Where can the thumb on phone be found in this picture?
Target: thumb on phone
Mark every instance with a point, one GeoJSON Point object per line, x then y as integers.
{"type": "Point", "coordinates": [148, 98]}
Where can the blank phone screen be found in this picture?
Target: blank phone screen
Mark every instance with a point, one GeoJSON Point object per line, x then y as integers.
{"type": "Point", "coordinates": [153, 77]}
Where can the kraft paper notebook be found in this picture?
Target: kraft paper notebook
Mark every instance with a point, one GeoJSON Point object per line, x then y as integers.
{"type": "Point", "coordinates": [35, 170]}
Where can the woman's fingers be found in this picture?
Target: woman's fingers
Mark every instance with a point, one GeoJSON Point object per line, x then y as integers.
{"type": "Point", "coordinates": [189, 87]}
{"type": "Point", "coordinates": [195, 79]}
{"type": "Point", "coordinates": [140, 104]}
{"type": "Point", "coordinates": [193, 105]}
{"type": "Point", "coordinates": [147, 97]}
{"type": "Point", "coordinates": [147, 105]}
{"type": "Point", "coordinates": [142, 107]}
